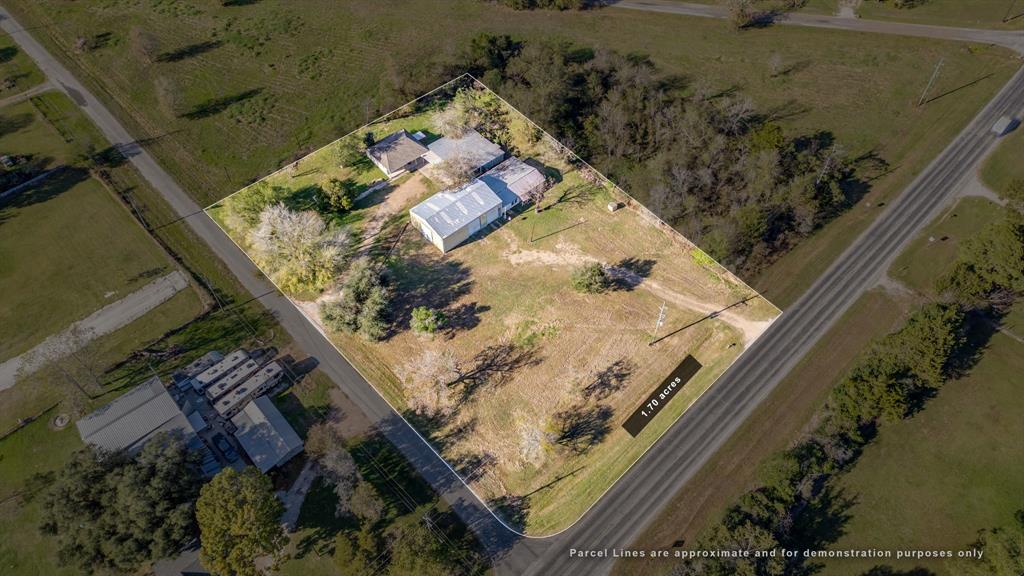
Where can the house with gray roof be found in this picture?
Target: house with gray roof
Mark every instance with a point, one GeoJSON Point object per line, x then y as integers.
{"type": "Point", "coordinates": [397, 153]}
{"type": "Point", "coordinates": [471, 147]}
{"type": "Point", "coordinates": [134, 418]}
{"type": "Point", "coordinates": [449, 218]}
{"type": "Point", "coordinates": [265, 435]}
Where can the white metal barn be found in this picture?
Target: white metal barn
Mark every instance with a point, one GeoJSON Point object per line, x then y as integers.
{"type": "Point", "coordinates": [449, 218]}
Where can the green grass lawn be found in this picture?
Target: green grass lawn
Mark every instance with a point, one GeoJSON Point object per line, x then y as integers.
{"type": "Point", "coordinates": [996, 14]}
{"type": "Point", "coordinates": [95, 253]}
{"type": "Point", "coordinates": [933, 253]}
{"type": "Point", "coordinates": [17, 72]}
{"type": "Point", "coordinates": [1006, 163]}
{"type": "Point", "coordinates": [933, 481]}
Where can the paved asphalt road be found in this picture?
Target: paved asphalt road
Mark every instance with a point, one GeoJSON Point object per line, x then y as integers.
{"type": "Point", "coordinates": [1013, 39]}
{"type": "Point", "coordinates": [622, 513]}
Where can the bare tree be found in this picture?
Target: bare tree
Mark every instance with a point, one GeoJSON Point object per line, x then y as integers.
{"type": "Point", "coordinates": [429, 381]}
{"type": "Point", "coordinates": [299, 248]}
{"type": "Point", "coordinates": [457, 171]}
{"type": "Point", "coordinates": [327, 445]}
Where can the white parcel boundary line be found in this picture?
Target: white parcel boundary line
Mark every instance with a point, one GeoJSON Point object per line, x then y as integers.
{"type": "Point", "coordinates": [425, 440]}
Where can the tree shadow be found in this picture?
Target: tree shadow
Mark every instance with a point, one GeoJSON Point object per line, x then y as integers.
{"type": "Point", "coordinates": [233, 3]}
{"type": "Point", "coordinates": [11, 123]}
{"type": "Point", "coordinates": [55, 185]}
{"type": "Point", "coordinates": [609, 380]}
{"type": "Point", "coordinates": [426, 280]}
{"type": "Point", "coordinates": [513, 510]}
{"type": "Point", "coordinates": [580, 428]}
{"type": "Point", "coordinates": [629, 273]}
{"type": "Point", "coordinates": [218, 105]}
{"type": "Point", "coordinates": [495, 365]}
{"type": "Point", "coordinates": [463, 317]}
{"type": "Point", "coordinates": [189, 51]}
{"type": "Point", "coordinates": [821, 521]}
{"type": "Point", "coordinates": [7, 53]}
{"type": "Point", "coordinates": [317, 515]}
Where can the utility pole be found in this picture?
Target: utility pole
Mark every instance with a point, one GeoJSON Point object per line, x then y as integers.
{"type": "Point", "coordinates": [657, 325]}
{"type": "Point", "coordinates": [927, 88]}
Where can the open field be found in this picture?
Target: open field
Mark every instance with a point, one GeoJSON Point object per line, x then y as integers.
{"type": "Point", "coordinates": [215, 128]}
{"type": "Point", "coordinates": [1006, 164]}
{"type": "Point", "coordinates": [17, 73]}
{"type": "Point", "coordinates": [95, 252]}
{"type": "Point", "coordinates": [539, 349]}
{"type": "Point", "coordinates": [933, 481]}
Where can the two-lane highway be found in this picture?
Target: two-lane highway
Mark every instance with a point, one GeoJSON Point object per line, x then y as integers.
{"type": "Point", "coordinates": [618, 519]}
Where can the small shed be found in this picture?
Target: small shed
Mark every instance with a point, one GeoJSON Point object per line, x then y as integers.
{"type": "Point", "coordinates": [397, 153]}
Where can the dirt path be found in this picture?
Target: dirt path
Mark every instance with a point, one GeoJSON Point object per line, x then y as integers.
{"type": "Point", "coordinates": [569, 255]}
{"type": "Point", "coordinates": [394, 202]}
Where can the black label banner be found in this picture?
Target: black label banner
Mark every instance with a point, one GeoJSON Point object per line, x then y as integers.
{"type": "Point", "coordinates": [660, 397]}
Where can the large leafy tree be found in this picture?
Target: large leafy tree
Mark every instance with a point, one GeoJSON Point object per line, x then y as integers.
{"type": "Point", "coordinates": [239, 522]}
{"type": "Point", "coordinates": [111, 511]}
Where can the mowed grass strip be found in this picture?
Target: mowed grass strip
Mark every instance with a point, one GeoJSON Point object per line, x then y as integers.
{"type": "Point", "coordinates": [989, 14]}
{"type": "Point", "coordinates": [1006, 163]}
{"type": "Point", "coordinates": [933, 253]}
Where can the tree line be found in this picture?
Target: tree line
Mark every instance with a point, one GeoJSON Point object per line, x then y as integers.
{"type": "Point", "coordinates": [796, 496]}
{"type": "Point", "coordinates": [707, 161]}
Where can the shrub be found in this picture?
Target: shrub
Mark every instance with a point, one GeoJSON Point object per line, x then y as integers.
{"type": "Point", "coordinates": [339, 195]}
{"type": "Point", "coordinates": [591, 279]}
{"type": "Point", "coordinates": [427, 320]}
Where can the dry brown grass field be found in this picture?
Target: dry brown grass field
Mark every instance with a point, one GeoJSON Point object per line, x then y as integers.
{"type": "Point", "coordinates": [532, 349]}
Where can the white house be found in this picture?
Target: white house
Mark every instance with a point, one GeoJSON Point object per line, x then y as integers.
{"type": "Point", "coordinates": [449, 218]}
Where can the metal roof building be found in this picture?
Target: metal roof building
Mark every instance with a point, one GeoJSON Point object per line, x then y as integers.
{"type": "Point", "coordinates": [471, 146]}
{"type": "Point", "coordinates": [132, 419]}
{"type": "Point", "coordinates": [514, 181]}
{"type": "Point", "coordinates": [447, 219]}
{"type": "Point", "coordinates": [265, 435]}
